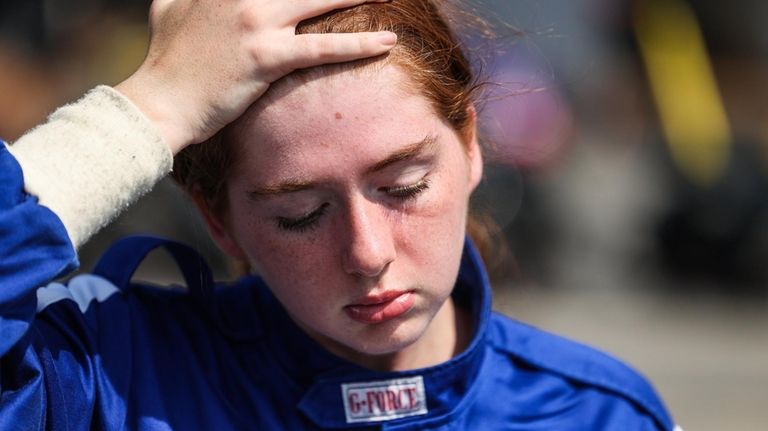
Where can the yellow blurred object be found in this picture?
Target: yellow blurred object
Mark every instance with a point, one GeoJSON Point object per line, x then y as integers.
{"type": "Point", "coordinates": [120, 51]}
{"type": "Point", "coordinates": [684, 88]}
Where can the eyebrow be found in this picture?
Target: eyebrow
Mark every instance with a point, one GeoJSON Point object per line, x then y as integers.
{"type": "Point", "coordinates": [428, 144]}
{"type": "Point", "coordinates": [410, 152]}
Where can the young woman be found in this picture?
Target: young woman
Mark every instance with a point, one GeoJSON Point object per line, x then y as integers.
{"type": "Point", "coordinates": [346, 189]}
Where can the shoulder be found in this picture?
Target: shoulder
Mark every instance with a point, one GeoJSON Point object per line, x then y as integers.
{"type": "Point", "coordinates": [87, 291]}
{"type": "Point", "coordinates": [577, 365]}
{"type": "Point", "coordinates": [82, 290]}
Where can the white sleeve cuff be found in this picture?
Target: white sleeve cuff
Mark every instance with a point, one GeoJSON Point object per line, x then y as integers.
{"type": "Point", "coordinates": [91, 160]}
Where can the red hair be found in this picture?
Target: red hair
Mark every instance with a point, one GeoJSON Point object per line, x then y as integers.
{"type": "Point", "coordinates": [427, 50]}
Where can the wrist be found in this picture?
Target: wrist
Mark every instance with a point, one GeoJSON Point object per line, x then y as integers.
{"type": "Point", "coordinates": [155, 108]}
{"type": "Point", "coordinates": [91, 159]}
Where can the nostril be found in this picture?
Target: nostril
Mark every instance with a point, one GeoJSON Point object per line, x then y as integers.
{"type": "Point", "coordinates": [369, 255]}
{"type": "Point", "coordinates": [366, 263]}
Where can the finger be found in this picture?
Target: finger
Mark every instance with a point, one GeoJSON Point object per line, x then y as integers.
{"type": "Point", "coordinates": [316, 49]}
{"type": "Point", "coordinates": [301, 10]}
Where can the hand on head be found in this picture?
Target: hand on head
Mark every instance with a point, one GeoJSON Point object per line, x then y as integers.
{"type": "Point", "coordinates": [208, 60]}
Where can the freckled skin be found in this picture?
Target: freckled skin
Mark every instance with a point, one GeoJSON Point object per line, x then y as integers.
{"type": "Point", "coordinates": [365, 242]}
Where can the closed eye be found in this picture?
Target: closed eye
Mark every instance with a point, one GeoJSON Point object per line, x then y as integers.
{"type": "Point", "coordinates": [310, 220]}
{"type": "Point", "coordinates": [410, 191]}
{"type": "Point", "coordinates": [304, 222]}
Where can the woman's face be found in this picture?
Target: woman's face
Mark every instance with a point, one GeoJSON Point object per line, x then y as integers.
{"type": "Point", "coordinates": [349, 197]}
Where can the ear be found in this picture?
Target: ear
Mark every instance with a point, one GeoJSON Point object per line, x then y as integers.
{"type": "Point", "coordinates": [474, 152]}
{"type": "Point", "coordinates": [218, 230]}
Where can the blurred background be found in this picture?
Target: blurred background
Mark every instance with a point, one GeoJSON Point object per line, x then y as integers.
{"type": "Point", "coordinates": [627, 170]}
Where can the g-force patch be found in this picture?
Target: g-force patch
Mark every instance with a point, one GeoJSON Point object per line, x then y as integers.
{"type": "Point", "coordinates": [384, 400]}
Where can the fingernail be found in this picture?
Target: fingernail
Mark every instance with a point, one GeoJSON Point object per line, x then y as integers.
{"type": "Point", "coordinates": [387, 38]}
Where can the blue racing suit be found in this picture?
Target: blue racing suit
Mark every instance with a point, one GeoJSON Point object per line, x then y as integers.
{"type": "Point", "coordinates": [105, 353]}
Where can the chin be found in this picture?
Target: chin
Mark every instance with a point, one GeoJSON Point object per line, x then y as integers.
{"type": "Point", "coordinates": [388, 340]}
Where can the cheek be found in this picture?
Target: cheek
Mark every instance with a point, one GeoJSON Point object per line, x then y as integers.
{"type": "Point", "coordinates": [286, 261]}
{"type": "Point", "coordinates": [299, 273]}
{"type": "Point", "coordinates": [433, 236]}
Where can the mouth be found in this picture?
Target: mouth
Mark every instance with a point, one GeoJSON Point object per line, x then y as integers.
{"type": "Point", "coordinates": [375, 309]}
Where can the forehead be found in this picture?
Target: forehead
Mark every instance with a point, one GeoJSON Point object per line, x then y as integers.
{"type": "Point", "coordinates": [347, 115]}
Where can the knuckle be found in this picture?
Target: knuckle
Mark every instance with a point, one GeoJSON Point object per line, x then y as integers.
{"type": "Point", "coordinates": [363, 43]}
{"type": "Point", "coordinates": [261, 52]}
{"type": "Point", "coordinates": [269, 59]}
{"type": "Point", "coordinates": [249, 19]}
{"type": "Point", "coordinates": [322, 47]}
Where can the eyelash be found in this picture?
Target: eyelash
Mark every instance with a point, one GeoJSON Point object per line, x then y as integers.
{"type": "Point", "coordinates": [309, 221]}
{"type": "Point", "coordinates": [303, 223]}
{"type": "Point", "coordinates": [407, 192]}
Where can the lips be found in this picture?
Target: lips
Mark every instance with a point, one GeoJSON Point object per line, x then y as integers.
{"type": "Point", "coordinates": [375, 309]}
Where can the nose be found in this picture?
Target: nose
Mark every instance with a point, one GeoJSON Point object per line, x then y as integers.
{"type": "Point", "coordinates": [370, 246]}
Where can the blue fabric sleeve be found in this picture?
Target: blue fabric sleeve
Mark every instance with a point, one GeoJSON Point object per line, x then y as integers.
{"type": "Point", "coordinates": [34, 249]}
